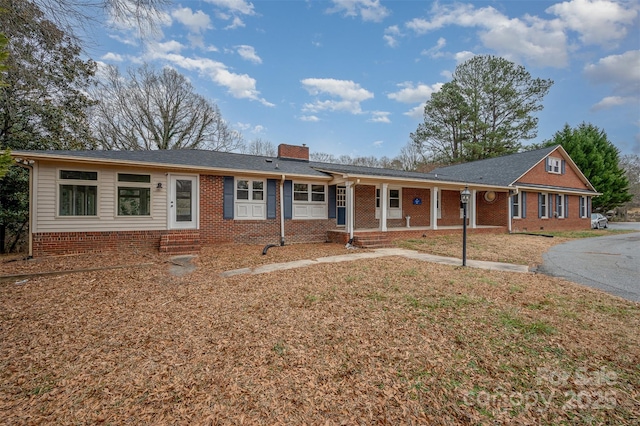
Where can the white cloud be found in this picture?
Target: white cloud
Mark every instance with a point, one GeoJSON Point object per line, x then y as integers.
{"type": "Point", "coordinates": [114, 57]}
{"type": "Point", "coordinates": [248, 53]}
{"type": "Point", "coordinates": [234, 6]}
{"type": "Point", "coordinates": [411, 93]}
{"type": "Point", "coordinates": [613, 101]}
{"type": "Point", "coordinates": [379, 117]}
{"type": "Point", "coordinates": [240, 86]}
{"type": "Point", "coordinates": [196, 22]}
{"type": "Point", "coordinates": [311, 118]}
{"type": "Point", "coordinates": [535, 40]}
{"type": "Point", "coordinates": [235, 23]}
{"type": "Point", "coordinates": [349, 95]}
{"type": "Point", "coordinates": [391, 35]}
{"type": "Point", "coordinates": [368, 10]}
{"type": "Point", "coordinates": [461, 57]}
{"type": "Point", "coordinates": [378, 143]}
{"type": "Point", "coordinates": [597, 21]}
{"type": "Point", "coordinates": [435, 51]}
{"type": "Point", "coordinates": [416, 112]}
{"type": "Point", "coordinates": [620, 72]}
{"type": "Point", "coordinates": [170, 46]}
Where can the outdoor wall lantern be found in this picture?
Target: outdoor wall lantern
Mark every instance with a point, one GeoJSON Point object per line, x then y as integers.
{"type": "Point", "coordinates": [465, 195]}
{"type": "Point", "coordinates": [159, 186]}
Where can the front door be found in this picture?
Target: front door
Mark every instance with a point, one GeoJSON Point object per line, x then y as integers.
{"type": "Point", "coordinates": [183, 202]}
{"type": "Point", "coordinates": [341, 205]}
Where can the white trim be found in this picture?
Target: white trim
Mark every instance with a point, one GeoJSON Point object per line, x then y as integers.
{"type": "Point", "coordinates": [249, 209]}
{"type": "Point", "coordinates": [434, 207]}
{"type": "Point", "coordinates": [391, 212]}
{"type": "Point", "coordinates": [309, 210]}
{"type": "Point", "coordinates": [194, 223]}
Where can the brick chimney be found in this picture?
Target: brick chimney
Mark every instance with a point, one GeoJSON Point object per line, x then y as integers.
{"type": "Point", "coordinates": [295, 152]}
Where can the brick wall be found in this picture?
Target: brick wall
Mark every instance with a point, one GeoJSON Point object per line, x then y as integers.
{"type": "Point", "coordinates": [420, 213]}
{"type": "Point", "coordinates": [492, 213]}
{"type": "Point", "coordinates": [57, 243]}
{"type": "Point", "coordinates": [538, 175]}
{"type": "Point", "coordinates": [532, 223]}
{"type": "Point", "coordinates": [293, 151]}
{"type": "Point", "coordinates": [215, 229]}
{"type": "Point", "coordinates": [365, 207]}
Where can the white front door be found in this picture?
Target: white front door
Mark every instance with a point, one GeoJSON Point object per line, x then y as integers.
{"type": "Point", "coordinates": [183, 202]}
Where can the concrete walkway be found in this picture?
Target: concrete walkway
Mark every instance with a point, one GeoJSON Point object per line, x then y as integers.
{"type": "Point", "coordinates": [384, 252]}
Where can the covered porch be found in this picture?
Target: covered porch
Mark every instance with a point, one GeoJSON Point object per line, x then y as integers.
{"type": "Point", "coordinates": [373, 210]}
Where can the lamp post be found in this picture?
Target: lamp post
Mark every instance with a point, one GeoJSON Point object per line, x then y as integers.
{"type": "Point", "coordinates": [465, 195]}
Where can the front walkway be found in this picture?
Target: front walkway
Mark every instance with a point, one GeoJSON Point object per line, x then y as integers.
{"type": "Point", "coordinates": [377, 253]}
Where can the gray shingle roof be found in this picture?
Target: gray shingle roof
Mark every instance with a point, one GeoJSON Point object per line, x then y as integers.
{"type": "Point", "coordinates": [197, 158]}
{"type": "Point", "coordinates": [501, 171]}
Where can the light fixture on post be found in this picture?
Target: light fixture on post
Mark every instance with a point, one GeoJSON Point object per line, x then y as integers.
{"type": "Point", "coordinates": [465, 195]}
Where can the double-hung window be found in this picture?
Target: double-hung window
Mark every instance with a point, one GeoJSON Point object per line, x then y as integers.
{"type": "Point", "coordinates": [394, 204]}
{"type": "Point", "coordinates": [78, 193]}
{"type": "Point", "coordinates": [516, 206]}
{"type": "Point", "coordinates": [543, 207]}
{"type": "Point", "coordinates": [560, 207]}
{"type": "Point", "coordinates": [250, 199]}
{"type": "Point", "coordinates": [134, 194]}
{"type": "Point", "coordinates": [554, 165]}
{"type": "Point", "coordinates": [309, 200]}
{"type": "Point", "coordinates": [249, 190]}
{"type": "Point", "coordinates": [583, 207]}
{"type": "Point", "coordinates": [307, 192]}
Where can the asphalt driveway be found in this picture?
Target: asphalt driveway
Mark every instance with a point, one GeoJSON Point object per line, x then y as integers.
{"type": "Point", "coordinates": [610, 263]}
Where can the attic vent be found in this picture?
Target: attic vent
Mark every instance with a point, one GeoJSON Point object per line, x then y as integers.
{"type": "Point", "coordinates": [268, 160]}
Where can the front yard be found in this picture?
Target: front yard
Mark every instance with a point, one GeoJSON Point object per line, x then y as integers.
{"type": "Point", "coordinates": [389, 341]}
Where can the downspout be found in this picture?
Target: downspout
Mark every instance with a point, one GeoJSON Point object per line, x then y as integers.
{"type": "Point", "coordinates": [28, 164]}
{"type": "Point", "coordinates": [282, 210]}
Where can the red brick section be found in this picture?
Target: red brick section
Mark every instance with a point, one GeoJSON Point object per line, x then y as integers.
{"type": "Point", "coordinates": [539, 176]}
{"type": "Point", "coordinates": [420, 213]}
{"type": "Point", "coordinates": [57, 243]}
{"type": "Point", "coordinates": [492, 213]}
{"type": "Point", "coordinates": [293, 151]}
{"type": "Point", "coordinates": [532, 223]}
{"type": "Point", "coordinates": [215, 229]}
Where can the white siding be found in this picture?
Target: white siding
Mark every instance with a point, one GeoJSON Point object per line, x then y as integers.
{"type": "Point", "coordinates": [46, 191]}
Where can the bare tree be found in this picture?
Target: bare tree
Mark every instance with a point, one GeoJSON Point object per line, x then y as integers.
{"type": "Point", "coordinates": [71, 14]}
{"type": "Point", "coordinates": [260, 147]}
{"type": "Point", "coordinates": [158, 110]}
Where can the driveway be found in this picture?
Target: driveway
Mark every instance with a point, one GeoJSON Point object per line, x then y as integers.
{"type": "Point", "coordinates": [610, 263]}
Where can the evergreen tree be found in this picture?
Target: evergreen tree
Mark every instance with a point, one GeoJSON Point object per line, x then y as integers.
{"type": "Point", "coordinates": [599, 160]}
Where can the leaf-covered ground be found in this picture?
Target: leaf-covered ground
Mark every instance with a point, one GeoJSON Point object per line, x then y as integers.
{"type": "Point", "coordinates": [388, 341]}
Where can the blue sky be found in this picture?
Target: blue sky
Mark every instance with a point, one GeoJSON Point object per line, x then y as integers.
{"type": "Point", "coordinates": [351, 76]}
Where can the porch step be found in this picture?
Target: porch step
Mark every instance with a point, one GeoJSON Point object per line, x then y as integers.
{"type": "Point", "coordinates": [372, 240]}
{"type": "Point", "coordinates": [180, 243]}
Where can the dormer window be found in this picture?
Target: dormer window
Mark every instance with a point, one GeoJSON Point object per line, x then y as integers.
{"type": "Point", "coordinates": [555, 165]}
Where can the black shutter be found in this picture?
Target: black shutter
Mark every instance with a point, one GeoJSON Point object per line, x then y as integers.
{"type": "Point", "coordinates": [227, 201]}
{"type": "Point", "coordinates": [288, 199]}
{"type": "Point", "coordinates": [332, 202]}
{"type": "Point", "coordinates": [271, 198]}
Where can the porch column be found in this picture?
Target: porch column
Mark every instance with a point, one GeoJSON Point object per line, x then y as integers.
{"type": "Point", "coordinates": [434, 207]}
{"type": "Point", "coordinates": [349, 207]}
{"type": "Point", "coordinates": [473, 208]}
{"type": "Point", "coordinates": [383, 206]}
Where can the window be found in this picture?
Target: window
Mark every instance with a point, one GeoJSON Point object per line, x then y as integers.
{"type": "Point", "coordinates": [583, 207]}
{"type": "Point", "coordinates": [560, 206]}
{"type": "Point", "coordinates": [78, 193]}
{"type": "Point", "coordinates": [305, 192]}
{"type": "Point", "coordinates": [393, 199]}
{"type": "Point", "coordinates": [554, 165]}
{"type": "Point", "coordinates": [134, 199]}
{"type": "Point", "coordinates": [249, 190]}
{"type": "Point", "coordinates": [516, 211]}
{"type": "Point", "coordinates": [544, 205]}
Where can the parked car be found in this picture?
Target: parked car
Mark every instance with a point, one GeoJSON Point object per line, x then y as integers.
{"type": "Point", "coordinates": [598, 221]}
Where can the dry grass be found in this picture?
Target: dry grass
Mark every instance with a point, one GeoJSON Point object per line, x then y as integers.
{"type": "Point", "coordinates": [389, 341]}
